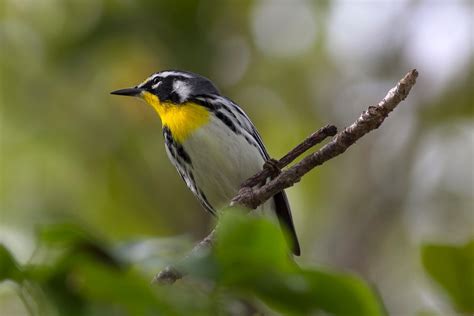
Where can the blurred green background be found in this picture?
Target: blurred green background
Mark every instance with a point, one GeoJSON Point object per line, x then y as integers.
{"type": "Point", "coordinates": [70, 152]}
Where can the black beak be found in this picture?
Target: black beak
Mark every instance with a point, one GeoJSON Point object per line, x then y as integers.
{"type": "Point", "coordinates": [132, 92]}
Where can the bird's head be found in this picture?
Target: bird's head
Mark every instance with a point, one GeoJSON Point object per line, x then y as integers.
{"type": "Point", "coordinates": [173, 95]}
{"type": "Point", "coordinates": [170, 87]}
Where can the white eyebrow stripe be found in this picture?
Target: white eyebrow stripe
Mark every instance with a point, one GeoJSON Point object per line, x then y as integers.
{"type": "Point", "coordinates": [165, 74]}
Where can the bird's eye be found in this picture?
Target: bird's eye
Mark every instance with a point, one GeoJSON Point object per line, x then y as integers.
{"type": "Point", "coordinates": [155, 82]}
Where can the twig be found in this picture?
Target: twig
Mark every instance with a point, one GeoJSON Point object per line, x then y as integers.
{"type": "Point", "coordinates": [310, 141]}
{"type": "Point", "coordinates": [251, 196]}
{"type": "Point", "coordinates": [368, 121]}
{"type": "Point", "coordinates": [170, 273]}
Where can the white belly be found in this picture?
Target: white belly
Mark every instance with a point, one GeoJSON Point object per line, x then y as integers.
{"type": "Point", "coordinates": [221, 161]}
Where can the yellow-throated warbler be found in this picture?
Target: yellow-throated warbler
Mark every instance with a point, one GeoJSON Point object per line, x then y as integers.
{"type": "Point", "coordinates": [209, 139]}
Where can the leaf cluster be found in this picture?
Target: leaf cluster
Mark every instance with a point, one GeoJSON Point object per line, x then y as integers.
{"type": "Point", "coordinates": [249, 267]}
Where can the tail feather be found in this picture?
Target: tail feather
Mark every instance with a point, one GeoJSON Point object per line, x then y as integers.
{"type": "Point", "coordinates": [283, 212]}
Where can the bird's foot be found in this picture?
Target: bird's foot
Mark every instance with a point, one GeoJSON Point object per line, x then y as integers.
{"type": "Point", "coordinates": [272, 165]}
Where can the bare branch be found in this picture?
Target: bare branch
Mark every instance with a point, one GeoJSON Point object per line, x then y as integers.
{"type": "Point", "coordinates": [310, 141]}
{"type": "Point", "coordinates": [251, 195]}
{"type": "Point", "coordinates": [368, 121]}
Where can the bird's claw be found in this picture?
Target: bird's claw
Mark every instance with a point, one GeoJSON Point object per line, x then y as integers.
{"type": "Point", "coordinates": [272, 165]}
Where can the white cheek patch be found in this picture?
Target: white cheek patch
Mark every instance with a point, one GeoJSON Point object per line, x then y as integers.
{"type": "Point", "coordinates": [182, 89]}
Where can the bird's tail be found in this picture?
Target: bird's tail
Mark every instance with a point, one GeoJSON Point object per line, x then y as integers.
{"type": "Point", "coordinates": [283, 212]}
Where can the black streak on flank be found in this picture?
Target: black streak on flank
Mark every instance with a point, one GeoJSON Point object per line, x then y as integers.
{"type": "Point", "coordinates": [176, 149]}
{"type": "Point", "coordinates": [206, 203]}
{"type": "Point", "coordinates": [167, 134]}
{"type": "Point", "coordinates": [227, 121]}
{"type": "Point", "coordinates": [234, 116]}
{"type": "Point", "coordinates": [183, 154]}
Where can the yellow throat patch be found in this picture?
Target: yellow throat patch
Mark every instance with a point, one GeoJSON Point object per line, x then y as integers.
{"type": "Point", "coordinates": [181, 119]}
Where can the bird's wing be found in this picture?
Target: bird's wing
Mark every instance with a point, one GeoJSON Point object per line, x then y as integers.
{"type": "Point", "coordinates": [282, 207]}
{"type": "Point", "coordinates": [238, 116]}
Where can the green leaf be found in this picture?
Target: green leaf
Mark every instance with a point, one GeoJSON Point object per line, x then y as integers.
{"type": "Point", "coordinates": [253, 243]}
{"type": "Point", "coordinates": [9, 268]}
{"type": "Point", "coordinates": [100, 283]}
{"type": "Point", "coordinates": [252, 257]}
{"type": "Point", "coordinates": [103, 284]}
{"type": "Point", "coordinates": [75, 239]}
{"type": "Point", "coordinates": [64, 234]}
{"type": "Point", "coordinates": [311, 290]}
{"type": "Point", "coordinates": [452, 268]}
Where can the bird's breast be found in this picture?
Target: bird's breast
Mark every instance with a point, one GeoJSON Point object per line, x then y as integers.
{"type": "Point", "coordinates": [221, 160]}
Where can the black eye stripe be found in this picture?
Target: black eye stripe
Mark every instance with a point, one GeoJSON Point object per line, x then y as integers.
{"type": "Point", "coordinates": [178, 88]}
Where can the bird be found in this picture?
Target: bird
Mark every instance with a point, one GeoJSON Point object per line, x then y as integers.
{"type": "Point", "coordinates": [210, 140]}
